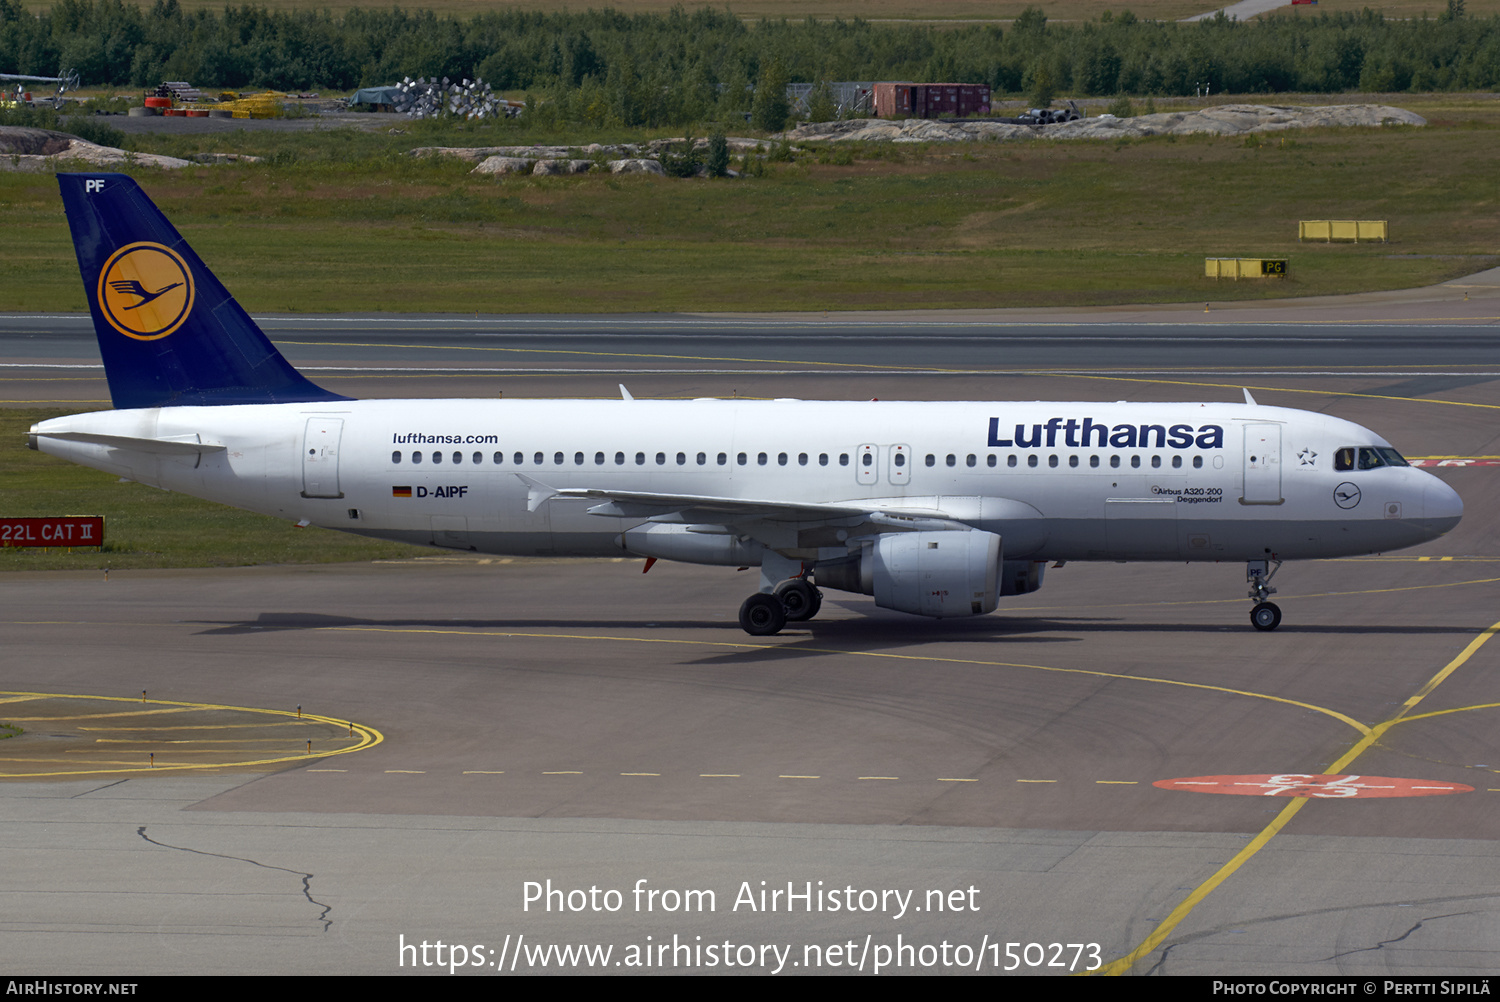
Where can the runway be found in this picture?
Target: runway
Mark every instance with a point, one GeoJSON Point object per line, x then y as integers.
{"type": "Point", "coordinates": [581, 723]}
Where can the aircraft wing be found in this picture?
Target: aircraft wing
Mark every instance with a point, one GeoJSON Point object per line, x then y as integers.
{"type": "Point", "coordinates": [881, 515]}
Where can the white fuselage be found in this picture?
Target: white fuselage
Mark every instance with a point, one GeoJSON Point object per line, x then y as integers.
{"type": "Point", "coordinates": [1056, 480]}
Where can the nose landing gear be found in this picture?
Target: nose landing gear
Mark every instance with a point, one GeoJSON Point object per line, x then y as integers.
{"type": "Point", "coordinates": [1265, 615]}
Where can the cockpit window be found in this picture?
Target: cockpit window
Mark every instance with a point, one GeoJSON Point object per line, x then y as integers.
{"type": "Point", "coordinates": [1367, 457]}
{"type": "Point", "coordinates": [1372, 457]}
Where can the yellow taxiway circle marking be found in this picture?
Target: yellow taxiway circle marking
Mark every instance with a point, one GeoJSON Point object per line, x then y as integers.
{"type": "Point", "coordinates": [288, 736]}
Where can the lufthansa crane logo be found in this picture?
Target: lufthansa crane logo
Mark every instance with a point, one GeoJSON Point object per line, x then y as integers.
{"type": "Point", "coordinates": [145, 291]}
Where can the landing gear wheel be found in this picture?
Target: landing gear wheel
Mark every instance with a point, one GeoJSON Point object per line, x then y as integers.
{"type": "Point", "coordinates": [762, 615]}
{"type": "Point", "coordinates": [1265, 616]}
{"type": "Point", "coordinates": [800, 600]}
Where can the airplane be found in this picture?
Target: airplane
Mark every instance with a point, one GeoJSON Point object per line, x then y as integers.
{"type": "Point", "coordinates": [937, 509]}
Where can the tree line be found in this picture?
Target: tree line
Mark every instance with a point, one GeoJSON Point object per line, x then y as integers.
{"type": "Point", "coordinates": [606, 67]}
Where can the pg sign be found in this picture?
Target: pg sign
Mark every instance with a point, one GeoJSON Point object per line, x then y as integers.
{"type": "Point", "coordinates": [61, 530]}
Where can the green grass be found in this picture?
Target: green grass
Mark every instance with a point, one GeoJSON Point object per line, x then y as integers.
{"type": "Point", "coordinates": [147, 527]}
{"type": "Point", "coordinates": [341, 220]}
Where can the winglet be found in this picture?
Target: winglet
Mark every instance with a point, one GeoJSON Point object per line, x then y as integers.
{"type": "Point", "coordinates": [624, 393]}
{"type": "Point", "coordinates": [1248, 398]}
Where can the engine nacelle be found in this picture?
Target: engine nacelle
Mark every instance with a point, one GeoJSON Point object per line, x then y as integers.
{"type": "Point", "coordinates": [944, 574]}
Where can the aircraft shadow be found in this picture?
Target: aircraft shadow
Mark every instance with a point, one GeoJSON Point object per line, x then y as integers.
{"type": "Point", "coordinates": [866, 632]}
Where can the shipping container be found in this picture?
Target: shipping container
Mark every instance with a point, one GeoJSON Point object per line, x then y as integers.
{"type": "Point", "coordinates": [934, 100]}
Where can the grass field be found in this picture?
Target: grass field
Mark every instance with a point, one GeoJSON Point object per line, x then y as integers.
{"type": "Point", "coordinates": [342, 221]}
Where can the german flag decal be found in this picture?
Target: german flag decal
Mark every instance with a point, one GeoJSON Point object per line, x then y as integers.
{"type": "Point", "coordinates": [400, 492]}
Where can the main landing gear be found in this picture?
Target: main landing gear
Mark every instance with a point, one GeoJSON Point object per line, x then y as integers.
{"type": "Point", "coordinates": [790, 600]}
{"type": "Point", "coordinates": [1265, 615]}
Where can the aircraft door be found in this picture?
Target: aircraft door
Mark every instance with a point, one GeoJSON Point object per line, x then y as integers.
{"type": "Point", "coordinates": [320, 457]}
{"type": "Point", "coordinates": [1262, 464]}
{"type": "Point", "coordinates": [900, 472]}
{"type": "Point", "coordinates": [866, 464]}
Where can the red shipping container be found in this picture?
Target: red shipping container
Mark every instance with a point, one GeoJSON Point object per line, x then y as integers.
{"type": "Point", "coordinates": [934, 100]}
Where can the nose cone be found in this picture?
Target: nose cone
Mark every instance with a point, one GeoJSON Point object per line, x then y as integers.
{"type": "Point", "coordinates": [1441, 506]}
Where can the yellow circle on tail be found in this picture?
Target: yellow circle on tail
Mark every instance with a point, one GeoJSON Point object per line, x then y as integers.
{"type": "Point", "coordinates": [145, 291]}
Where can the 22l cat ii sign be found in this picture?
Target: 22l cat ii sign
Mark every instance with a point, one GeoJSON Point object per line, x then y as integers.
{"type": "Point", "coordinates": [60, 530]}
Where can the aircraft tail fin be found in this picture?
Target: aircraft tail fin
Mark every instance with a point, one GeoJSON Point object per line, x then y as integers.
{"type": "Point", "coordinates": [169, 332]}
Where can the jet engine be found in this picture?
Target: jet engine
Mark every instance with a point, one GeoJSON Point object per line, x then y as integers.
{"type": "Point", "coordinates": [944, 574]}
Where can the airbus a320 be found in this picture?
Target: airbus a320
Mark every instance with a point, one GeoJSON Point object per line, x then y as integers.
{"type": "Point", "coordinates": [935, 509]}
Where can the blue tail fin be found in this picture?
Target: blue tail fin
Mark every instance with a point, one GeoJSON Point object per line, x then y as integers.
{"type": "Point", "coordinates": [169, 332]}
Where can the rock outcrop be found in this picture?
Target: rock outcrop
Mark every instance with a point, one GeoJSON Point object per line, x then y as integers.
{"type": "Point", "coordinates": [1224, 120]}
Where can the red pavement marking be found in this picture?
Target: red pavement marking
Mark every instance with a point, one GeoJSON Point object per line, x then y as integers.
{"type": "Point", "coordinates": [1301, 784]}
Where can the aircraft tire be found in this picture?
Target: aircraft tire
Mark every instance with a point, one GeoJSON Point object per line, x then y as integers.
{"type": "Point", "coordinates": [762, 615]}
{"type": "Point", "coordinates": [799, 599]}
{"type": "Point", "coordinates": [1265, 616]}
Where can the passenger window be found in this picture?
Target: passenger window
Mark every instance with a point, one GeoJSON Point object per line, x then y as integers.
{"type": "Point", "coordinates": [723, 458]}
{"type": "Point", "coordinates": [899, 459]}
{"type": "Point", "coordinates": [1010, 460]}
{"type": "Point", "coordinates": [1156, 462]}
{"type": "Point", "coordinates": [1031, 460]}
{"type": "Point", "coordinates": [822, 459]}
{"type": "Point", "coordinates": [619, 459]}
{"type": "Point", "coordinates": [537, 459]}
{"type": "Point", "coordinates": [931, 459]}
{"type": "Point", "coordinates": [1072, 460]}
{"type": "Point", "coordinates": [661, 459]}
{"type": "Point", "coordinates": [437, 457]}
{"type": "Point", "coordinates": [1052, 461]}
{"type": "Point", "coordinates": [702, 458]}
{"type": "Point", "coordinates": [990, 459]}
{"type": "Point", "coordinates": [499, 458]}
{"type": "Point", "coordinates": [416, 458]}
{"type": "Point", "coordinates": [1093, 462]}
{"type": "Point", "coordinates": [598, 459]}
{"type": "Point", "coordinates": [1176, 462]}
{"type": "Point", "coordinates": [952, 459]}
{"type": "Point", "coordinates": [478, 458]}
{"type": "Point", "coordinates": [868, 459]}
{"type": "Point", "coordinates": [1114, 462]}
{"type": "Point", "coordinates": [740, 459]}
{"type": "Point", "coordinates": [682, 459]}
{"type": "Point", "coordinates": [520, 459]}
{"type": "Point", "coordinates": [802, 459]}
{"type": "Point", "coordinates": [557, 459]}
{"type": "Point", "coordinates": [970, 461]}
{"type": "Point", "coordinates": [577, 459]}
{"type": "Point", "coordinates": [781, 459]}
{"type": "Point", "coordinates": [1197, 462]}
{"type": "Point", "coordinates": [1135, 462]}
{"type": "Point", "coordinates": [843, 459]}
{"type": "Point", "coordinates": [760, 459]}
{"type": "Point", "coordinates": [396, 458]}
{"type": "Point", "coordinates": [640, 459]}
